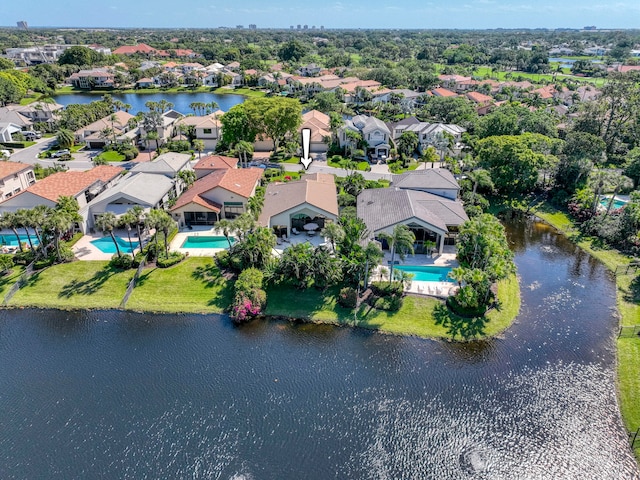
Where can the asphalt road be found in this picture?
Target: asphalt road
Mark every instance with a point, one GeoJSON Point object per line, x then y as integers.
{"type": "Point", "coordinates": [81, 160]}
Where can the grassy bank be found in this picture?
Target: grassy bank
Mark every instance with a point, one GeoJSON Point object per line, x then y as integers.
{"type": "Point", "coordinates": [247, 92]}
{"type": "Point", "coordinates": [76, 285]}
{"type": "Point", "coordinates": [419, 316]}
{"type": "Point", "coordinates": [8, 279]}
{"type": "Point", "coordinates": [628, 299]}
{"type": "Point", "coordinates": [192, 286]}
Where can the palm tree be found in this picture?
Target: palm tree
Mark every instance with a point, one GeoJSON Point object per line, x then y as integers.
{"type": "Point", "coordinates": [482, 178]}
{"type": "Point", "coordinates": [137, 216]}
{"type": "Point", "coordinates": [10, 220]}
{"type": "Point", "coordinates": [197, 107]}
{"type": "Point", "coordinates": [226, 226]}
{"type": "Point", "coordinates": [212, 106]}
{"type": "Point", "coordinates": [106, 222]}
{"type": "Point", "coordinates": [334, 232]}
{"type": "Point", "coordinates": [38, 218]}
{"type": "Point", "coordinates": [152, 135]}
{"type": "Point", "coordinates": [58, 222]}
{"type": "Point", "coordinates": [198, 145]}
{"type": "Point", "coordinates": [400, 241]}
{"type": "Point", "coordinates": [23, 220]}
{"type": "Point", "coordinates": [255, 205]}
{"type": "Point", "coordinates": [127, 220]}
{"type": "Point", "coordinates": [65, 138]}
{"type": "Point", "coordinates": [165, 224]}
{"type": "Point", "coordinates": [242, 149]}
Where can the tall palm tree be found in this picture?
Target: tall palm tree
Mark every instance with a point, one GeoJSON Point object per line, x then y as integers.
{"type": "Point", "coordinates": [255, 205]}
{"type": "Point", "coordinates": [23, 220]}
{"type": "Point", "coordinates": [106, 222]}
{"type": "Point", "coordinates": [400, 242]}
{"type": "Point", "coordinates": [480, 177]}
{"type": "Point", "coordinates": [138, 215]}
{"type": "Point", "coordinates": [334, 232]}
{"type": "Point", "coordinates": [38, 218]}
{"type": "Point", "coordinates": [166, 222]}
{"type": "Point", "coordinates": [198, 145]}
{"type": "Point", "coordinates": [65, 138]}
{"type": "Point", "coordinates": [10, 220]}
{"type": "Point", "coordinates": [226, 226]}
{"type": "Point", "coordinates": [152, 135]}
{"type": "Point", "coordinates": [242, 149]}
{"type": "Point", "coordinates": [128, 220]}
{"type": "Point", "coordinates": [58, 222]}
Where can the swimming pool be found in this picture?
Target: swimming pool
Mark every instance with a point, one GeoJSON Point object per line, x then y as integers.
{"type": "Point", "coordinates": [105, 244]}
{"type": "Point", "coordinates": [617, 203]}
{"type": "Point", "coordinates": [12, 241]}
{"type": "Point", "coordinates": [427, 273]}
{"type": "Point", "coordinates": [205, 241]}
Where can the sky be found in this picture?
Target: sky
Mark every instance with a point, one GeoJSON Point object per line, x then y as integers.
{"type": "Point", "coordinates": [461, 14]}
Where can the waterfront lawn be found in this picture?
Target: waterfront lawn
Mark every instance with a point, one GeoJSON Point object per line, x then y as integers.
{"type": "Point", "coordinates": [192, 286]}
{"type": "Point", "coordinates": [420, 316]}
{"type": "Point", "coordinates": [75, 285]}
{"type": "Point", "coordinates": [7, 280]}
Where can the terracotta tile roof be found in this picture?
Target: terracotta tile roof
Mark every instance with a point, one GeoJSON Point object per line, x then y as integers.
{"type": "Point", "coordinates": [478, 97]}
{"type": "Point", "coordinates": [443, 92]}
{"type": "Point", "coordinates": [119, 123]}
{"type": "Point", "coordinates": [131, 49]}
{"type": "Point", "coordinates": [72, 183]}
{"type": "Point", "coordinates": [545, 92]}
{"type": "Point", "coordinates": [216, 162]}
{"type": "Point", "coordinates": [11, 168]}
{"type": "Point", "coordinates": [239, 181]}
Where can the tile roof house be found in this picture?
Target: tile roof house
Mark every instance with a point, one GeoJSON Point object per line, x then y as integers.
{"type": "Point", "coordinates": [134, 49]}
{"type": "Point", "coordinates": [92, 134]}
{"type": "Point", "coordinates": [292, 205]}
{"type": "Point", "coordinates": [223, 193]}
{"type": "Point", "coordinates": [206, 128]}
{"type": "Point", "coordinates": [483, 102]}
{"type": "Point", "coordinates": [144, 189]}
{"type": "Point", "coordinates": [430, 217]}
{"type": "Point", "coordinates": [14, 178]}
{"type": "Point", "coordinates": [35, 112]}
{"type": "Point", "coordinates": [94, 78]}
{"type": "Point", "coordinates": [7, 129]}
{"type": "Point", "coordinates": [319, 124]}
{"type": "Point", "coordinates": [211, 163]}
{"type": "Point", "coordinates": [83, 186]}
{"type": "Point", "coordinates": [11, 115]}
{"type": "Point", "coordinates": [443, 92]}
{"type": "Point", "coordinates": [168, 165]}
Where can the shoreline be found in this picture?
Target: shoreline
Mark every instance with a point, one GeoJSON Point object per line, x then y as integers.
{"type": "Point", "coordinates": [627, 348]}
{"type": "Point", "coordinates": [244, 92]}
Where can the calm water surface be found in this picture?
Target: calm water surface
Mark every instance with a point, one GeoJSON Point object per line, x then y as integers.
{"type": "Point", "coordinates": [181, 101]}
{"type": "Point", "coordinates": [124, 395]}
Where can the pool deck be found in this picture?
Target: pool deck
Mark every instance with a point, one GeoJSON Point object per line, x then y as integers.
{"type": "Point", "coordinates": [197, 231]}
{"type": "Point", "coordinates": [418, 287]}
{"type": "Point", "coordinates": [85, 250]}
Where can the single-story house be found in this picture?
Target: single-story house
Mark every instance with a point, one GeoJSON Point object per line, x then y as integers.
{"type": "Point", "coordinates": [288, 206]}
{"type": "Point", "coordinates": [93, 134]}
{"type": "Point", "coordinates": [14, 178]}
{"type": "Point", "coordinates": [211, 163]}
{"type": "Point", "coordinates": [144, 189]}
{"type": "Point", "coordinates": [430, 217]}
{"type": "Point", "coordinates": [223, 193]}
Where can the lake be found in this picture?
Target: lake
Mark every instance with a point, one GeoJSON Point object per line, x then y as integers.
{"type": "Point", "coordinates": [180, 100]}
{"type": "Point", "coordinates": [109, 394]}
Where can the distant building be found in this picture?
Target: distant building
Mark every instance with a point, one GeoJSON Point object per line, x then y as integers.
{"type": "Point", "coordinates": [590, 27]}
{"type": "Point", "coordinates": [253, 26]}
{"type": "Point", "coordinates": [22, 24]}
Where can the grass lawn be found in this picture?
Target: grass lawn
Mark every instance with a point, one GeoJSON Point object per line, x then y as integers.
{"type": "Point", "coordinates": [7, 280]}
{"type": "Point", "coordinates": [28, 99]}
{"type": "Point", "coordinates": [419, 316]}
{"type": "Point", "coordinates": [628, 299]}
{"type": "Point", "coordinates": [112, 156]}
{"type": "Point", "coordinates": [192, 286]}
{"type": "Point", "coordinates": [247, 92]}
{"type": "Point", "coordinates": [76, 285]}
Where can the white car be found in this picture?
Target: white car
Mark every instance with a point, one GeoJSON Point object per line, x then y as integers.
{"type": "Point", "coordinates": [5, 153]}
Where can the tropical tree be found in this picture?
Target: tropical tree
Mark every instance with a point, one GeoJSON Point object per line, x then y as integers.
{"type": "Point", "coordinates": [107, 222]}
{"type": "Point", "coordinates": [407, 143]}
{"type": "Point", "coordinates": [256, 203]}
{"type": "Point", "coordinates": [400, 241]}
{"type": "Point", "coordinates": [128, 220]}
{"type": "Point", "coordinates": [198, 145]}
{"type": "Point", "coordinates": [334, 233]}
{"type": "Point", "coordinates": [226, 226]}
{"type": "Point", "coordinates": [429, 154]}
{"type": "Point", "coordinates": [244, 148]}
{"type": "Point", "coordinates": [58, 222]}
{"type": "Point", "coordinates": [11, 220]}
{"type": "Point", "coordinates": [137, 217]}
{"type": "Point", "coordinates": [65, 138]}
{"type": "Point", "coordinates": [23, 218]}
{"type": "Point", "coordinates": [480, 178]}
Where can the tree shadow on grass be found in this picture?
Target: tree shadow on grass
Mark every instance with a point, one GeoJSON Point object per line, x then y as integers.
{"type": "Point", "coordinates": [464, 328]}
{"type": "Point", "coordinates": [632, 294]}
{"type": "Point", "coordinates": [8, 279]}
{"type": "Point", "coordinates": [87, 287]}
{"type": "Point", "coordinates": [212, 278]}
{"type": "Point", "coordinates": [142, 278]}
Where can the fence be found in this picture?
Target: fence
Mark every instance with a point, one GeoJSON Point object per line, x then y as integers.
{"type": "Point", "coordinates": [132, 283]}
{"type": "Point", "coordinates": [18, 285]}
{"type": "Point", "coordinates": [629, 331]}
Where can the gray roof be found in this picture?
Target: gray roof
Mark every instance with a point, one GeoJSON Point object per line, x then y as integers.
{"type": "Point", "coordinates": [384, 207]}
{"type": "Point", "coordinates": [368, 123]}
{"type": "Point", "coordinates": [425, 179]}
{"type": "Point", "coordinates": [166, 164]}
{"type": "Point", "coordinates": [143, 188]}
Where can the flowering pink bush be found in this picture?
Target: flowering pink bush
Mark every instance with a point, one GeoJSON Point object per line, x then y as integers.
{"type": "Point", "coordinates": [287, 178]}
{"type": "Point", "coordinates": [245, 310]}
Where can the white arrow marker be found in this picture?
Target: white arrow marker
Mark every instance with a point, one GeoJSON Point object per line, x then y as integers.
{"type": "Point", "coordinates": [306, 141]}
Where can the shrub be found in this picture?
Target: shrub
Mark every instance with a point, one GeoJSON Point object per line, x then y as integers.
{"type": "Point", "coordinates": [179, 146]}
{"type": "Point", "coordinates": [123, 262]}
{"type": "Point", "coordinates": [66, 254]}
{"type": "Point", "coordinates": [249, 299]}
{"type": "Point", "coordinates": [23, 258]}
{"type": "Point", "coordinates": [6, 263]}
{"type": "Point", "coordinates": [40, 264]}
{"type": "Point", "coordinates": [348, 297]}
{"type": "Point", "coordinates": [137, 259]}
{"type": "Point", "coordinates": [386, 289]}
{"type": "Point", "coordinates": [222, 259]}
{"type": "Point", "coordinates": [346, 200]}
{"type": "Point", "coordinates": [174, 258]}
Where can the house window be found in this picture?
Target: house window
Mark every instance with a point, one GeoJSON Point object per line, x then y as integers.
{"type": "Point", "coordinates": [233, 209]}
{"type": "Point", "coordinates": [207, 131]}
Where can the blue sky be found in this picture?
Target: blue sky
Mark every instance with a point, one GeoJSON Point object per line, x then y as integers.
{"type": "Point", "coordinates": [331, 14]}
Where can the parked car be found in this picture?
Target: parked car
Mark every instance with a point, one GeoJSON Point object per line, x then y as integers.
{"type": "Point", "coordinates": [60, 153]}
{"type": "Point", "coordinates": [5, 153]}
{"type": "Point", "coordinates": [32, 135]}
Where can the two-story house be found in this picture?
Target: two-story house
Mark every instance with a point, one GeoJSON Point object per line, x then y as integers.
{"type": "Point", "coordinates": [95, 78]}
{"type": "Point", "coordinates": [14, 178]}
{"type": "Point", "coordinates": [373, 131]}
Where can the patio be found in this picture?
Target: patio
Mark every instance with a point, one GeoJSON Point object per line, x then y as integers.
{"type": "Point", "coordinates": [85, 250]}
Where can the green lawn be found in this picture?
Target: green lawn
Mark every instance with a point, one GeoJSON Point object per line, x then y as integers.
{"type": "Point", "coordinates": [112, 156]}
{"type": "Point", "coordinates": [7, 280]}
{"type": "Point", "coordinates": [628, 299]}
{"type": "Point", "coordinates": [501, 75]}
{"type": "Point", "coordinates": [76, 285]}
{"type": "Point", "coordinates": [194, 286]}
{"type": "Point", "coordinates": [419, 316]}
{"type": "Point", "coordinates": [28, 99]}
{"type": "Point", "coordinates": [247, 92]}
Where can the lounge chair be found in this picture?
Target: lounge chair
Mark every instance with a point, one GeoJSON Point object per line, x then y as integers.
{"type": "Point", "coordinates": [294, 231]}
{"type": "Point", "coordinates": [278, 241]}
{"type": "Point", "coordinates": [285, 239]}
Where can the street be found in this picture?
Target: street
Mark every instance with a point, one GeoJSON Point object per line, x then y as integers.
{"type": "Point", "coordinates": [81, 160]}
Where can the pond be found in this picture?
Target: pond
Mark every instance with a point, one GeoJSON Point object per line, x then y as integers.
{"type": "Point", "coordinates": [181, 101]}
{"type": "Point", "coordinates": [125, 395]}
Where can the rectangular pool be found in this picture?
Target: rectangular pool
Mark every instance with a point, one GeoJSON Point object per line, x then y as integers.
{"type": "Point", "coordinates": [427, 273]}
{"type": "Point", "coordinates": [617, 203]}
{"type": "Point", "coordinates": [12, 241]}
{"type": "Point", "coordinates": [105, 244]}
{"type": "Point", "coordinates": [205, 241]}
